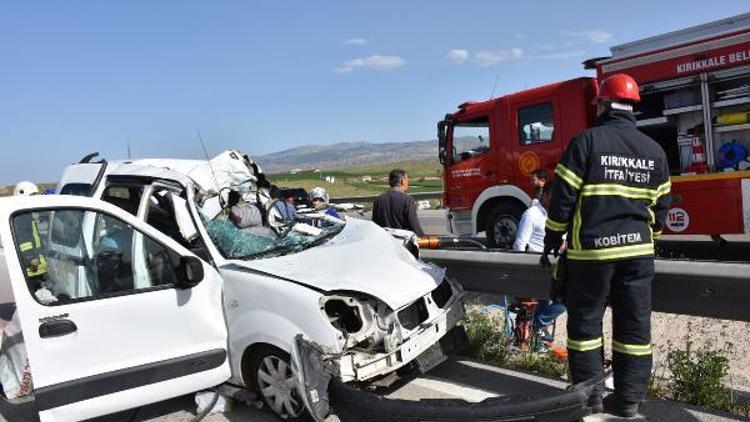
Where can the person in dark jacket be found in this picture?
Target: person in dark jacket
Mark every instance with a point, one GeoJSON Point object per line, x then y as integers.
{"type": "Point", "coordinates": [612, 199]}
{"type": "Point", "coordinates": [396, 209]}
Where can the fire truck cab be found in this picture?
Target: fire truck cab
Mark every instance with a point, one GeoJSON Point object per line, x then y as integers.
{"type": "Point", "coordinates": [489, 150]}
{"type": "Point", "coordinates": [695, 90]}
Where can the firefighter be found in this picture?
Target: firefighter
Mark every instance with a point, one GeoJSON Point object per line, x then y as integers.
{"type": "Point", "coordinates": [612, 198]}
{"type": "Point", "coordinates": [29, 240]}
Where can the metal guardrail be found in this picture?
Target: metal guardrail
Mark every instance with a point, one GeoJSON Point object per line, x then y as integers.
{"type": "Point", "coordinates": [700, 288]}
{"type": "Point", "coordinates": [363, 199]}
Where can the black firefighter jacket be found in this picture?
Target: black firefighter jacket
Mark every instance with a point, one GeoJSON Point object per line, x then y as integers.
{"type": "Point", "coordinates": [612, 191]}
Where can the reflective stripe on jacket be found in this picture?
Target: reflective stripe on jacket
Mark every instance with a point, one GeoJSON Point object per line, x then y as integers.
{"type": "Point", "coordinates": [30, 244]}
{"type": "Point", "coordinates": [612, 191]}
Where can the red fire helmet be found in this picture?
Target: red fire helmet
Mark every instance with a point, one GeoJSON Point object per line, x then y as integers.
{"type": "Point", "coordinates": [618, 87]}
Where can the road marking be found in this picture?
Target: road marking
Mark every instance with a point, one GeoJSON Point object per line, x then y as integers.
{"type": "Point", "coordinates": [453, 389]}
{"type": "Point", "coordinates": [561, 383]}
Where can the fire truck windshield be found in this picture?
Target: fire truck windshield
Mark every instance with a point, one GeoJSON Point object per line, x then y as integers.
{"type": "Point", "coordinates": [470, 138]}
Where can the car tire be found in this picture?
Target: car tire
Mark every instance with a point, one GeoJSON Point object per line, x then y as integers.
{"type": "Point", "coordinates": [502, 225]}
{"type": "Point", "coordinates": [271, 371]}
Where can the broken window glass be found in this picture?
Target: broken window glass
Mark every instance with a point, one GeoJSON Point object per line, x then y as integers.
{"type": "Point", "coordinates": [237, 244]}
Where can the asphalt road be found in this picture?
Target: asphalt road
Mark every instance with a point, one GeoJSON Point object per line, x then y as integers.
{"type": "Point", "coordinates": [456, 378]}
{"type": "Point", "coordinates": [433, 221]}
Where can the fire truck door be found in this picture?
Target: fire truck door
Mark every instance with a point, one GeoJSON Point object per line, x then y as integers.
{"type": "Point", "coordinates": [538, 137]}
{"type": "Point", "coordinates": [472, 165]}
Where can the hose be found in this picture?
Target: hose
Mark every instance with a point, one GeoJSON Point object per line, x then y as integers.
{"type": "Point", "coordinates": [206, 410]}
{"type": "Point", "coordinates": [439, 242]}
{"type": "Point", "coordinates": [472, 241]}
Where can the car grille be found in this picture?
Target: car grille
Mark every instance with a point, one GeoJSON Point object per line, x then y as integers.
{"type": "Point", "coordinates": [442, 294]}
{"type": "Point", "coordinates": [413, 315]}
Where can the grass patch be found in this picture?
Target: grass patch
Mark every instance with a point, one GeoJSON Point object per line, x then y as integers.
{"type": "Point", "coordinates": [424, 176]}
{"type": "Point", "coordinates": [690, 374]}
{"type": "Point", "coordinates": [697, 376]}
{"type": "Point", "coordinates": [488, 342]}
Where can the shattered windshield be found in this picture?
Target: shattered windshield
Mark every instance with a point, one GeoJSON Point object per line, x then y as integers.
{"type": "Point", "coordinates": [238, 244]}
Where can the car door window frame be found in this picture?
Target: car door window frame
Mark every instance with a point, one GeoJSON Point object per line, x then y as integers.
{"type": "Point", "coordinates": [84, 209]}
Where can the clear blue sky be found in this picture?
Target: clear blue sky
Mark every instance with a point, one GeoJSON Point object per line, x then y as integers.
{"type": "Point", "coordinates": [264, 76]}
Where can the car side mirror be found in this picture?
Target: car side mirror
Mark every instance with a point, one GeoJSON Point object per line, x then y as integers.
{"type": "Point", "coordinates": [190, 272]}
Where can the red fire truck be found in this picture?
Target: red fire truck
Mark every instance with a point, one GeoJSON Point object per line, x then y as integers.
{"type": "Point", "coordinates": [695, 90]}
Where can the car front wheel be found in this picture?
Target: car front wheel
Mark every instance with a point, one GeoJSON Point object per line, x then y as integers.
{"type": "Point", "coordinates": [275, 383]}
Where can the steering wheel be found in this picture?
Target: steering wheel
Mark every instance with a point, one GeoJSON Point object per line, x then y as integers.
{"type": "Point", "coordinates": [222, 201]}
{"type": "Point", "coordinates": [280, 228]}
{"type": "Point", "coordinates": [286, 229]}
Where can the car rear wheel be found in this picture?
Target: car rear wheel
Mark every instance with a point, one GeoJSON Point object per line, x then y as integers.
{"type": "Point", "coordinates": [275, 383]}
{"type": "Point", "coordinates": [502, 225]}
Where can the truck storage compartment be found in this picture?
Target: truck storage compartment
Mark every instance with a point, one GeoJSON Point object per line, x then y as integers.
{"type": "Point", "coordinates": [671, 112]}
{"type": "Point", "coordinates": [730, 108]}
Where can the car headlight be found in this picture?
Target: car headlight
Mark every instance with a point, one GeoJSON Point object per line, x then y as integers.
{"type": "Point", "coordinates": [361, 321]}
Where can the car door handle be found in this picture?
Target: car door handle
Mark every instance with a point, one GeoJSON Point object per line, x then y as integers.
{"type": "Point", "coordinates": [57, 328]}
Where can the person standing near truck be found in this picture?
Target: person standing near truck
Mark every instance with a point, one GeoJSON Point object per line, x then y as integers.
{"type": "Point", "coordinates": [612, 198]}
{"type": "Point", "coordinates": [530, 237]}
{"type": "Point", "coordinates": [396, 209]}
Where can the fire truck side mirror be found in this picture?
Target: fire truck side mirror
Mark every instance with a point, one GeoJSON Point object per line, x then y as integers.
{"type": "Point", "coordinates": [442, 154]}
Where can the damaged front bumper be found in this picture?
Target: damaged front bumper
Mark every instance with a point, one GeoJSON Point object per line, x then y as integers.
{"type": "Point", "coordinates": [364, 365]}
{"type": "Point", "coordinates": [324, 393]}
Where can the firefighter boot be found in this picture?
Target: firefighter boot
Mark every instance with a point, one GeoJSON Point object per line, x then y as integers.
{"type": "Point", "coordinates": [617, 406]}
{"type": "Point", "coordinates": [595, 404]}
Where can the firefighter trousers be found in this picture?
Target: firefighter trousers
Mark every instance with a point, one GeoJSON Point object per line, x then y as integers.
{"type": "Point", "coordinates": [626, 287]}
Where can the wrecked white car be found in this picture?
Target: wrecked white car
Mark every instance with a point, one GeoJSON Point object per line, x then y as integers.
{"type": "Point", "coordinates": [149, 292]}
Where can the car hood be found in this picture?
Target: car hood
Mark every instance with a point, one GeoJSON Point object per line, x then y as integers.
{"type": "Point", "coordinates": [363, 258]}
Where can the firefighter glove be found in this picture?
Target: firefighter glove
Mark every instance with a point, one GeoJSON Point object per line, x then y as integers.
{"type": "Point", "coordinates": [552, 243]}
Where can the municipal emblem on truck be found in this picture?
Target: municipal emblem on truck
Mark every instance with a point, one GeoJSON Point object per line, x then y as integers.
{"type": "Point", "coordinates": [528, 162]}
{"type": "Point", "coordinates": [678, 220]}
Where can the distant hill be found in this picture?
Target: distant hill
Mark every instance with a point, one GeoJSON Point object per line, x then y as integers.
{"type": "Point", "coordinates": [419, 158]}
{"type": "Point", "coordinates": [346, 155]}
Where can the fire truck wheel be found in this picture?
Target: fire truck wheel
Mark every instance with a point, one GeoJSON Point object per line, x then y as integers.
{"type": "Point", "coordinates": [502, 225]}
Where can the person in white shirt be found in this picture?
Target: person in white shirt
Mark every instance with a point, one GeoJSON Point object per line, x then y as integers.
{"type": "Point", "coordinates": [530, 236]}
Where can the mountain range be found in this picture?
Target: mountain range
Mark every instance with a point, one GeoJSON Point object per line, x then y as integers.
{"type": "Point", "coordinates": [346, 154]}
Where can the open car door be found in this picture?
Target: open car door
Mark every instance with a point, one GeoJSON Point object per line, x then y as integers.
{"type": "Point", "coordinates": [114, 314]}
{"type": "Point", "coordinates": [82, 178]}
